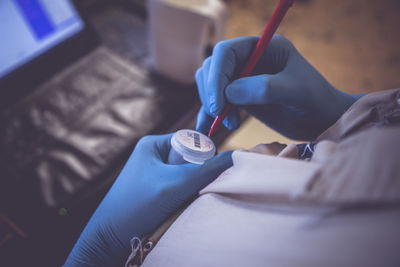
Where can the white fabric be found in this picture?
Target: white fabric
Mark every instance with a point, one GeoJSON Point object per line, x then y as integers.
{"type": "Point", "coordinates": [258, 174]}
{"type": "Point", "coordinates": [228, 229]}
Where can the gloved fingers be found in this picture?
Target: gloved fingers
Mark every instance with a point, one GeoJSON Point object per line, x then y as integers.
{"type": "Point", "coordinates": [184, 181]}
{"type": "Point", "coordinates": [202, 175]}
{"type": "Point", "coordinates": [276, 56]}
{"type": "Point", "coordinates": [204, 121]}
{"type": "Point", "coordinates": [260, 89]}
{"type": "Point", "coordinates": [153, 147]}
{"type": "Point", "coordinates": [228, 56]}
{"type": "Point", "coordinates": [232, 121]}
{"type": "Point", "coordinates": [228, 60]}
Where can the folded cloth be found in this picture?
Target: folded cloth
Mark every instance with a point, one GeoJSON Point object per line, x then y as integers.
{"type": "Point", "coordinates": [261, 226]}
{"type": "Point", "coordinates": [264, 177]}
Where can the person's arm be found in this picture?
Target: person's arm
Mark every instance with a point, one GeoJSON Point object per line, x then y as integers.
{"type": "Point", "coordinates": [145, 193]}
{"type": "Point", "coordinates": [285, 92]}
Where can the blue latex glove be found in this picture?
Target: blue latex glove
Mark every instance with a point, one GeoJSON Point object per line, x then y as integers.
{"type": "Point", "coordinates": [146, 193]}
{"type": "Point", "coordinates": [285, 92]}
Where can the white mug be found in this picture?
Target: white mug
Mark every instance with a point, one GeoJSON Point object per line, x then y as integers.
{"type": "Point", "coordinates": [179, 33]}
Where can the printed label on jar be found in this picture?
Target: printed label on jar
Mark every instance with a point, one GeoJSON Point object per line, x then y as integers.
{"type": "Point", "coordinates": [195, 140]}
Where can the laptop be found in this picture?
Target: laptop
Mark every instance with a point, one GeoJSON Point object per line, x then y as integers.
{"type": "Point", "coordinates": [69, 106]}
{"type": "Point", "coordinates": [39, 38]}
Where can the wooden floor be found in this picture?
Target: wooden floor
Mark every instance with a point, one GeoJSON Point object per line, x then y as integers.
{"type": "Point", "coordinates": [354, 44]}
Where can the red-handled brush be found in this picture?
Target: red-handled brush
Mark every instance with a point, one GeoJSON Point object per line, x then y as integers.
{"type": "Point", "coordinates": [262, 44]}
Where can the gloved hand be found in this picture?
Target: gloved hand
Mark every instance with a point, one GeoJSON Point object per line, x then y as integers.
{"type": "Point", "coordinates": [285, 91]}
{"type": "Point", "coordinates": [146, 193]}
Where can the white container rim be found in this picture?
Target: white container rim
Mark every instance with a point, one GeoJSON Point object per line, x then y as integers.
{"type": "Point", "coordinates": [197, 156]}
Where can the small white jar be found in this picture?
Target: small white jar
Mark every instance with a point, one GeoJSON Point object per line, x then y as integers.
{"type": "Point", "coordinates": [190, 146]}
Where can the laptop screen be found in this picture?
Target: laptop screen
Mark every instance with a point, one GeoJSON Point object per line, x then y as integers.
{"type": "Point", "coordinates": [29, 28]}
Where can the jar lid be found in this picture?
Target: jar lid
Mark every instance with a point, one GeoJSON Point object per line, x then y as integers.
{"type": "Point", "coordinates": [194, 146]}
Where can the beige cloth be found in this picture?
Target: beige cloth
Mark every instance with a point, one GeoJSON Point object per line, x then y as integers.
{"type": "Point", "coordinates": [361, 153]}
{"type": "Point", "coordinates": [339, 209]}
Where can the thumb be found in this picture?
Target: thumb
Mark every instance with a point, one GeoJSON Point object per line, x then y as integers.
{"type": "Point", "coordinates": [154, 147]}
{"type": "Point", "coordinates": [255, 90]}
{"type": "Point", "coordinates": [219, 163]}
{"type": "Point", "coordinates": [209, 171]}
{"type": "Point", "coordinates": [204, 121]}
